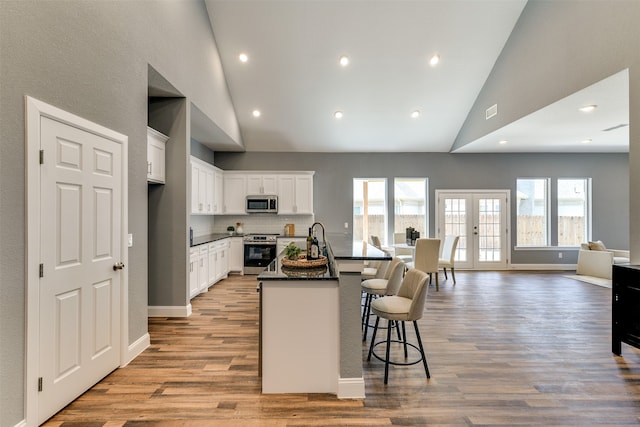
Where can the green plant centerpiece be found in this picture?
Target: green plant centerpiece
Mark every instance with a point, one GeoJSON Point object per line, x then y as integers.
{"type": "Point", "coordinates": [292, 251]}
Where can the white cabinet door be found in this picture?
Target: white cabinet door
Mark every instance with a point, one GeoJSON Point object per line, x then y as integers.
{"type": "Point", "coordinates": [254, 184]}
{"type": "Point", "coordinates": [304, 194]}
{"type": "Point", "coordinates": [295, 194]}
{"type": "Point", "coordinates": [202, 187]}
{"type": "Point", "coordinates": [235, 193]}
{"type": "Point", "coordinates": [270, 184]}
{"type": "Point", "coordinates": [224, 261]}
{"type": "Point", "coordinates": [156, 147]}
{"type": "Point", "coordinates": [286, 194]}
{"type": "Point", "coordinates": [213, 267]}
{"type": "Point", "coordinates": [195, 207]}
{"type": "Point", "coordinates": [193, 272]}
{"type": "Point", "coordinates": [218, 191]}
{"type": "Point", "coordinates": [208, 190]}
{"type": "Point", "coordinates": [203, 268]}
{"type": "Point", "coordinates": [202, 190]}
{"type": "Point", "coordinates": [236, 255]}
{"type": "Point", "coordinates": [262, 184]}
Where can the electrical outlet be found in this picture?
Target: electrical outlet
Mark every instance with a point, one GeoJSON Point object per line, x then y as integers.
{"type": "Point", "coordinates": [559, 254]}
{"type": "Point", "coordinates": [130, 240]}
{"type": "Point", "coordinates": [346, 225]}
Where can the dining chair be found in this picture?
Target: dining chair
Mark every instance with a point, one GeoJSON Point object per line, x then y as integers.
{"type": "Point", "coordinates": [426, 256]}
{"type": "Point", "coordinates": [447, 258]}
{"type": "Point", "coordinates": [405, 254]}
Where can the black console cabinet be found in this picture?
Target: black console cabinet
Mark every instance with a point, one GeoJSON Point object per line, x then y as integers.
{"type": "Point", "coordinates": [625, 307]}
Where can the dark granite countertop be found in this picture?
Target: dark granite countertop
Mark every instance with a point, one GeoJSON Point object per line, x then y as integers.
{"type": "Point", "coordinates": [276, 271]}
{"type": "Point", "coordinates": [344, 248]}
{"type": "Point", "coordinates": [201, 240]}
{"type": "Point", "coordinates": [340, 247]}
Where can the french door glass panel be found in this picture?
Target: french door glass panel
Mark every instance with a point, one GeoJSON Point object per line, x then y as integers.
{"type": "Point", "coordinates": [479, 218]}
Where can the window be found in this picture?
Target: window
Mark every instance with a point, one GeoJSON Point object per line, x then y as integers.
{"type": "Point", "coordinates": [369, 208]}
{"type": "Point", "coordinates": [574, 211]}
{"type": "Point", "coordinates": [532, 211]}
{"type": "Point", "coordinates": [410, 205]}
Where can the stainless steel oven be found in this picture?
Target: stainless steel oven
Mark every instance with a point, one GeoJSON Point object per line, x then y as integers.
{"type": "Point", "coordinates": [259, 251]}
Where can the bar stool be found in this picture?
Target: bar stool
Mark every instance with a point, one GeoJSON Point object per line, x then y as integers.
{"type": "Point", "coordinates": [386, 285]}
{"type": "Point", "coordinates": [407, 305]}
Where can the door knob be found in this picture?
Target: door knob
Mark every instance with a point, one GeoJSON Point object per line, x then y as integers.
{"type": "Point", "coordinates": [118, 266]}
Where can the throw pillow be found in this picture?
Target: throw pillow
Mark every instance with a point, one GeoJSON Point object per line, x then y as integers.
{"type": "Point", "coordinates": [597, 246]}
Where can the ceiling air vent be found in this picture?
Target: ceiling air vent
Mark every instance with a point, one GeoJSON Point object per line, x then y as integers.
{"type": "Point", "coordinates": [492, 111]}
{"type": "Point", "coordinates": [621, 125]}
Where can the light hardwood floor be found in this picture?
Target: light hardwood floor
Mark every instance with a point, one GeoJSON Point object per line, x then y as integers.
{"type": "Point", "coordinates": [504, 348]}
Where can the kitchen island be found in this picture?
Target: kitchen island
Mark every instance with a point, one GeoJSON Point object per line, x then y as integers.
{"type": "Point", "coordinates": [310, 331]}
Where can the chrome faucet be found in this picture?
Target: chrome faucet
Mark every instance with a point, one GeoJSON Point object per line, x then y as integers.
{"type": "Point", "coordinates": [324, 240]}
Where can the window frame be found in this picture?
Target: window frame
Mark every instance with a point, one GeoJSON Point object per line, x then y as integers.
{"type": "Point", "coordinates": [426, 204]}
{"type": "Point", "coordinates": [587, 208]}
{"type": "Point", "coordinates": [546, 209]}
{"type": "Point", "coordinates": [385, 209]}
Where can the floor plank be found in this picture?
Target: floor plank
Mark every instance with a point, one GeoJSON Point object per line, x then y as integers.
{"type": "Point", "coordinates": [504, 348]}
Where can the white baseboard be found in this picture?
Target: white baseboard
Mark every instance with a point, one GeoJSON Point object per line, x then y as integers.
{"type": "Point", "coordinates": [351, 388]}
{"type": "Point", "coordinates": [169, 311]}
{"type": "Point", "coordinates": [22, 423]}
{"type": "Point", "coordinates": [551, 267]}
{"type": "Point", "coordinates": [136, 348]}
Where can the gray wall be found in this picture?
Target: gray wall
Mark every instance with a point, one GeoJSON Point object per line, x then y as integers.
{"type": "Point", "coordinates": [333, 185]}
{"type": "Point", "coordinates": [91, 58]}
{"type": "Point", "coordinates": [556, 49]}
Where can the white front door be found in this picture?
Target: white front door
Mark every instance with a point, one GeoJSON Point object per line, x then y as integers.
{"type": "Point", "coordinates": [481, 219]}
{"type": "Point", "coordinates": [80, 251]}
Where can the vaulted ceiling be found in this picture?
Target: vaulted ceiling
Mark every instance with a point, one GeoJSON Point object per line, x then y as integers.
{"type": "Point", "coordinates": [390, 96]}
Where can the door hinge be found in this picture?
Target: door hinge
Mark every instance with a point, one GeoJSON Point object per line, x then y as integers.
{"type": "Point", "coordinates": [41, 157]}
{"type": "Point", "coordinates": [39, 383]}
{"type": "Point", "coordinates": [41, 270]}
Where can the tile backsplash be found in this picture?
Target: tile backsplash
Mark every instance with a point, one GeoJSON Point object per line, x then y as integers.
{"type": "Point", "coordinates": [254, 223]}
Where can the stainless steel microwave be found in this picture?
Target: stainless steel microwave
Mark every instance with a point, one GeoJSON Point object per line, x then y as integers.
{"type": "Point", "coordinates": [262, 204]}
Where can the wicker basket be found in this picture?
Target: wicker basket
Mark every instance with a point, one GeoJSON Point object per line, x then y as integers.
{"type": "Point", "coordinates": [305, 273]}
{"type": "Point", "coordinates": [303, 262]}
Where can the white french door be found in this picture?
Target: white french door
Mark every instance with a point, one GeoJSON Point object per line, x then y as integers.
{"type": "Point", "coordinates": [481, 219]}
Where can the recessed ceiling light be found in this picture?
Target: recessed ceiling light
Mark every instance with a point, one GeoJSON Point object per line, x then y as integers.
{"type": "Point", "coordinates": [344, 60]}
{"type": "Point", "coordinates": [502, 141]}
{"type": "Point", "coordinates": [415, 114]}
{"type": "Point", "coordinates": [435, 59]}
{"type": "Point", "coordinates": [588, 108]}
{"type": "Point", "coordinates": [256, 113]}
{"type": "Point", "coordinates": [243, 57]}
{"type": "Point", "coordinates": [338, 114]}
{"type": "Point", "coordinates": [586, 141]}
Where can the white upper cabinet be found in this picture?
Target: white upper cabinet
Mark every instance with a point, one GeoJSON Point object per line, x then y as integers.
{"type": "Point", "coordinates": [295, 193]}
{"type": "Point", "coordinates": [262, 184]}
{"type": "Point", "coordinates": [156, 147]}
{"type": "Point", "coordinates": [218, 191]}
{"type": "Point", "coordinates": [234, 193]}
{"type": "Point", "coordinates": [203, 187]}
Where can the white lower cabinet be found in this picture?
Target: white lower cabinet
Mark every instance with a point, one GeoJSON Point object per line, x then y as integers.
{"type": "Point", "coordinates": [236, 255]}
{"type": "Point", "coordinates": [208, 264]}
{"type": "Point", "coordinates": [203, 269]}
{"type": "Point", "coordinates": [193, 271]}
{"type": "Point", "coordinates": [213, 267]}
